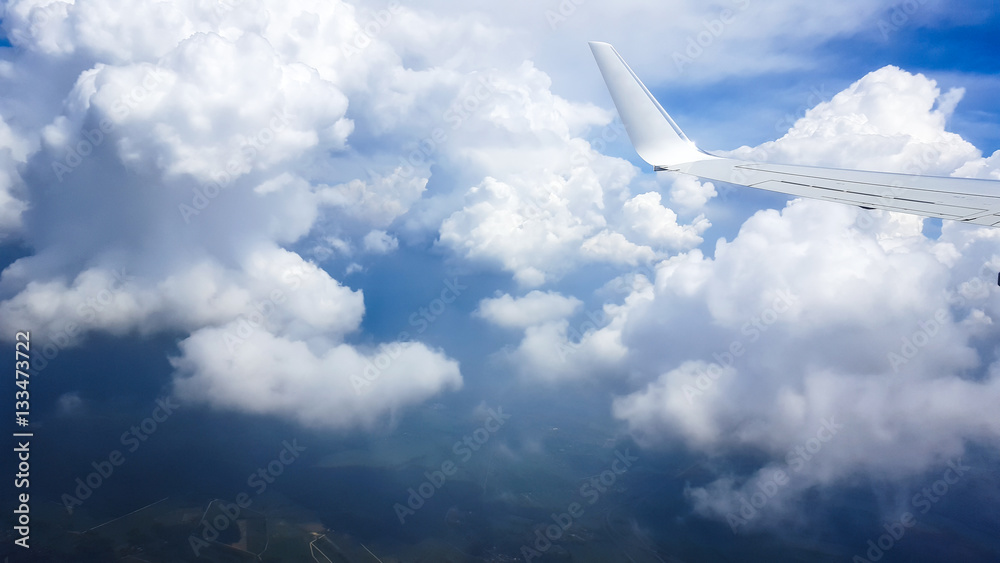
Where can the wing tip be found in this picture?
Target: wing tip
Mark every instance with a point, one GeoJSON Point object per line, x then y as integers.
{"type": "Point", "coordinates": [654, 134]}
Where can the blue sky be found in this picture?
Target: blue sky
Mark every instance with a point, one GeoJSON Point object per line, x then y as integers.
{"type": "Point", "coordinates": [366, 224]}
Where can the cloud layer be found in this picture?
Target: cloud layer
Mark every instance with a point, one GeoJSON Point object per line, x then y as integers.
{"type": "Point", "coordinates": [186, 166]}
{"type": "Point", "coordinates": [812, 314]}
{"type": "Point", "coordinates": [166, 178]}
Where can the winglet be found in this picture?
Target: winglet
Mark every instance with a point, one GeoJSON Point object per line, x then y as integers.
{"type": "Point", "coordinates": [655, 136]}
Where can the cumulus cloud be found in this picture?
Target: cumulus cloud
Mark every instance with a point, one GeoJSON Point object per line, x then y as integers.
{"type": "Point", "coordinates": [163, 164]}
{"type": "Point", "coordinates": [890, 120]}
{"type": "Point", "coordinates": [545, 189]}
{"type": "Point", "coordinates": [183, 148]}
{"type": "Point", "coordinates": [379, 242]}
{"type": "Point", "coordinates": [377, 200]}
{"type": "Point", "coordinates": [13, 152]}
{"type": "Point", "coordinates": [554, 202]}
{"type": "Point", "coordinates": [987, 167]}
{"type": "Point", "coordinates": [747, 349]}
{"type": "Point", "coordinates": [689, 194]}
{"type": "Point", "coordinates": [658, 224]}
{"type": "Point", "coordinates": [534, 308]}
{"type": "Point", "coordinates": [238, 367]}
{"type": "Point", "coordinates": [504, 224]}
{"type": "Point", "coordinates": [773, 313]}
{"type": "Point", "coordinates": [190, 148]}
{"type": "Point", "coordinates": [558, 343]}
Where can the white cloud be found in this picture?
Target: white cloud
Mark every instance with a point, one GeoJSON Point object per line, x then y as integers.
{"type": "Point", "coordinates": [658, 225]}
{"type": "Point", "coordinates": [557, 344]}
{"type": "Point", "coordinates": [688, 194]}
{"type": "Point", "coordinates": [783, 303]}
{"type": "Point", "coordinates": [379, 242]}
{"type": "Point", "coordinates": [564, 351]}
{"type": "Point", "coordinates": [550, 202]}
{"type": "Point", "coordinates": [760, 38]}
{"type": "Point", "coordinates": [524, 226]}
{"type": "Point", "coordinates": [315, 143]}
{"type": "Point", "coordinates": [987, 167]}
{"type": "Point", "coordinates": [70, 404]}
{"type": "Point", "coordinates": [667, 406]}
{"type": "Point", "coordinates": [11, 204]}
{"type": "Point", "coordinates": [379, 200]}
{"type": "Point", "coordinates": [320, 385]}
{"type": "Point", "coordinates": [193, 145]}
{"type": "Point", "coordinates": [534, 308]}
{"type": "Point", "coordinates": [746, 367]}
{"type": "Point", "coordinates": [889, 120]}
{"type": "Point", "coordinates": [607, 246]}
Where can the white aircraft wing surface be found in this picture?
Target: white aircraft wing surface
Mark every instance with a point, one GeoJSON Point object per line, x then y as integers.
{"type": "Point", "coordinates": [661, 143]}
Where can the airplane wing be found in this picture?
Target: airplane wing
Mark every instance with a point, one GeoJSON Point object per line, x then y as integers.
{"type": "Point", "coordinates": [660, 142]}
